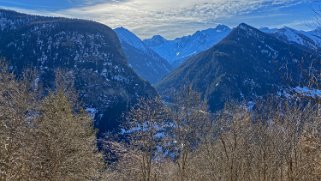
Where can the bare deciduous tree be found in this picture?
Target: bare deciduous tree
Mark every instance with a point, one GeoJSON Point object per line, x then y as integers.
{"type": "Point", "coordinates": [44, 140]}
{"type": "Point", "coordinates": [145, 127]}
{"type": "Point", "coordinates": [190, 122]}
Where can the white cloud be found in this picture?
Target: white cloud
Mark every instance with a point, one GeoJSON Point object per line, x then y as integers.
{"type": "Point", "coordinates": [148, 17]}
{"type": "Point", "coordinates": [167, 17]}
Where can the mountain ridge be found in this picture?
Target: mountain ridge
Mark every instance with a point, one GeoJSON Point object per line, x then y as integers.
{"type": "Point", "coordinates": [245, 65]}
{"type": "Point", "coordinates": [90, 51]}
{"type": "Point", "coordinates": [146, 63]}
{"type": "Point", "coordinates": [309, 39]}
{"type": "Point", "coordinates": [178, 50]}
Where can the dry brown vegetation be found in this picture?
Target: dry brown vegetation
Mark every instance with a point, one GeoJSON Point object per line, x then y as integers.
{"type": "Point", "coordinates": [278, 140]}
{"type": "Point", "coordinates": [44, 139]}
{"type": "Point", "coordinates": [51, 138]}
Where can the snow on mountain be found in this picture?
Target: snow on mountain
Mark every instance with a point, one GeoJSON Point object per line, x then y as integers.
{"type": "Point", "coordinates": [311, 39]}
{"type": "Point", "coordinates": [177, 50]}
{"type": "Point", "coordinates": [245, 66]}
{"type": "Point", "coordinates": [314, 35]}
{"type": "Point", "coordinates": [89, 52]}
{"type": "Point", "coordinates": [145, 62]}
{"type": "Point", "coordinates": [292, 35]}
{"type": "Point", "coordinates": [130, 38]}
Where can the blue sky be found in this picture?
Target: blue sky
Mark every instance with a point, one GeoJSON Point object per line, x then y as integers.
{"type": "Point", "coordinates": [174, 18]}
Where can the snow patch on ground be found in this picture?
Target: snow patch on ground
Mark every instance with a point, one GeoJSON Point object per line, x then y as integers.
{"type": "Point", "coordinates": [92, 112]}
{"type": "Point", "coordinates": [309, 92]}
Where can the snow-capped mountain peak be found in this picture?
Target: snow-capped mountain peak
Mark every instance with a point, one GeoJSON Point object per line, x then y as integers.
{"type": "Point", "coordinates": [221, 27]}
{"type": "Point", "coordinates": [292, 35]}
{"type": "Point", "coordinates": [177, 50]}
{"type": "Point", "coordinates": [310, 39]}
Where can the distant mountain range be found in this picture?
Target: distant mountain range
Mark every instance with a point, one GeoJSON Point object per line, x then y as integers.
{"type": "Point", "coordinates": [154, 58]}
{"type": "Point", "coordinates": [107, 86]}
{"type": "Point", "coordinates": [246, 65]}
{"type": "Point", "coordinates": [148, 58]}
{"type": "Point", "coordinates": [242, 64]}
{"type": "Point", "coordinates": [309, 39]}
{"type": "Point", "coordinates": [178, 50]}
{"type": "Point", "coordinates": [145, 62]}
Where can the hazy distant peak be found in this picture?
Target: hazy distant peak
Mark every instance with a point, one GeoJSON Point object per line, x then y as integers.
{"type": "Point", "coordinates": [222, 27]}
{"type": "Point", "coordinates": [245, 26]}
{"type": "Point", "coordinates": [123, 30]}
{"type": "Point", "coordinates": [310, 39]}
{"type": "Point", "coordinates": [217, 29]}
{"type": "Point", "coordinates": [158, 39]}
{"type": "Point", "coordinates": [269, 30]}
{"type": "Point", "coordinates": [130, 38]}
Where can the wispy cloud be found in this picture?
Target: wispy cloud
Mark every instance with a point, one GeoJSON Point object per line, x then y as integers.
{"type": "Point", "coordinates": [169, 17]}
{"type": "Point", "coordinates": [148, 17]}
